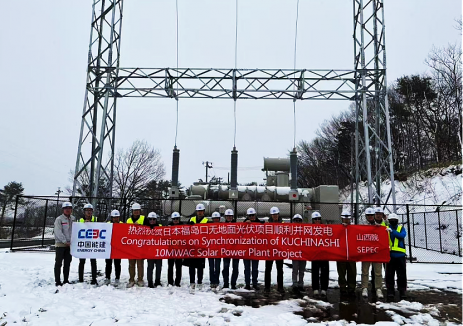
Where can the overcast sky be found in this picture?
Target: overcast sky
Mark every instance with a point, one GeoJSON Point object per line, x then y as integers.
{"type": "Point", "coordinates": [44, 57]}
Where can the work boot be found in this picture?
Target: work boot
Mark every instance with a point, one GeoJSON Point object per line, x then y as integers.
{"type": "Point", "coordinates": [365, 292]}
{"type": "Point", "coordinates": [281, 289]}
{"type": "Point", "coordinates": [233, 287]}
{"type": "Point", "coordinates": [403, 295]}
{"type": "Point", "coordinates": [130, 284]}
{"type": "Point", "coordinates": [140, 283]}
{"type": "Point", "coordinates": [94, 282]}
{"type": "Point", "coordinates": [59, 284]}
{"type": "Point", "coordinates": [247, 287]}
{"type": "Point", "coordinates": [200, 287]}
{"type": "Point", "coordinates": [256, 287]}
{"type": "Point", "coordinates": [192, 288]}
{"type": "Point", "coordinates": [116, 281]}
{"type": "Point", "coordinates": [323, 293]}
{"type": "Point", "coordinates": [379, 294]}
{"type": "Point", "coordinates": [150, 284]}
{"type": "Point", "coordinates": [107, 281]}
{"type": "Point", "coordinates": [315, 293]}
{"type": "Point", "coordinates": [226, 286]}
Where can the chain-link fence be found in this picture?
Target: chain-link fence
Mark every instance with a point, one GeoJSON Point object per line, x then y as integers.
{"type": "Point", "coordinates": [433, 231]}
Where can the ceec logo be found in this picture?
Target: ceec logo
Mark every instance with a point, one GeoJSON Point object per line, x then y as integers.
{"type": "Point", "coordinates": [91, 234]}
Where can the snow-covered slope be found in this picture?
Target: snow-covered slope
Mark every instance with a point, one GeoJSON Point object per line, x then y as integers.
{"type": "Point", "coordinates": [436, 186]}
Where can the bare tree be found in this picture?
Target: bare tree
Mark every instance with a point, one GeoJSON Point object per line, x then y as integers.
{"type": "Point", "coordinates": [135, 168]}
{"type": "Point", "coordinates": [447, 77]}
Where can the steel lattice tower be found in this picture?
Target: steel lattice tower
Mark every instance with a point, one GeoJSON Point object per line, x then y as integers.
{"type": "Point", "coordinates": [366, 84]}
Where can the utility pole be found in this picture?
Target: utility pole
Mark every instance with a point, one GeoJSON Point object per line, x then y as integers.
{"type": "Point", "coordinates": [207, 167]}
{"type": "Point", "coordinates": [57, 200]}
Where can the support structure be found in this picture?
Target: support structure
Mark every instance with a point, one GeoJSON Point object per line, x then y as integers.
{"type": "Point", "coordinates": [98, 126]}
{"type": "Point", "coordinates": [365, 84]}
{"type": "Point", "coordinates": [373, 148]}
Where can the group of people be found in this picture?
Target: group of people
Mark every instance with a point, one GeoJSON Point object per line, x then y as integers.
{"type": "Point", "coordinates": [347, 270]}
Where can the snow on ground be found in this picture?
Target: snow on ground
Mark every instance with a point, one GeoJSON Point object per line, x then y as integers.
{"type": "Point", "coordinates": [436, 186]}
{"type": "Point", "coordinates": [27, 297]}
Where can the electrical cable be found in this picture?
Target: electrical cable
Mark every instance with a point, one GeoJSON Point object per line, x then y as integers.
{"type": "Point", "coordinates": [294, 86]}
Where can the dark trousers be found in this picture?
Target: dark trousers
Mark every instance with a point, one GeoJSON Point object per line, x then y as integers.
{"type": "Point", "coordinates": [109, 268]}
{"type": "Point", "coordinates": [192, 270]}
{"type": "Point", "coordinates": [178, 271]}
{"type": "Point", "coordinates": [62, 253]}
{"type": "Point", "coordinates": [268, 273]}
{"type": "Point", "coordinates": [248, 265]}
{"type": "Point", "coordinates": [348, 268]}
{"type": "Point", "coordinates": [214, 270]}
{"type": "Point", "coordinates": [82, 266]}
{"type": "Point", "coordinates": [226, 271]}
{"type": "Point", "coordinates": [149, 271]}
{"type": "Point", "coordinates": [396, 265]}
{"type": "Point", "coordinates": [320, 274]}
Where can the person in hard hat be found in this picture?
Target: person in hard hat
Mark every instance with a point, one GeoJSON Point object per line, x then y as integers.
{"type": "Point", "coordinates": [175, 217]}
{"type": "Point", "coordinates": [274, 218]}
{"type": "Point", "coordinates": [347, 270]}
{"type": "Point", "coordinates": [88, 217]}
{"type": "Point", "coordinates": [214, 263]}
{"type": "Point", "coordinates": [63, 232]}
{"type": "Point", "coordinates": [197, 263]}
{"type": "Point", "coordinates": [377, 267]}
{"type": "Point", "coordinates": [230, 218]}
{"type": "Point", "coordinates": [320, 268]}
{"type": "Point", "coordinates": [251, 266]}
{"type": "Point", "coordinates": [115, 218]}
{"type": "Point", "coordinates": [139, 219]}
{"type": "Point", "coordinates": [396, 265]}
{"type": "Point", "coordinates": [152, 222]}
{"type": "Point", "coordinates": [298, 265]}
{"type": "Point", "coordinates": [380, 217]}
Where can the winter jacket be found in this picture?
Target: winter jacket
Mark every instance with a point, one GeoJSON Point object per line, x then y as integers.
{"type": "Point", "coordinates": [63, 230]}
{"type": "Point", "coordinates": [256, 221]}
{"type": "Point", "coordinates": [172, 223]}
{"type": "Point", "coordinates": [400, 236]}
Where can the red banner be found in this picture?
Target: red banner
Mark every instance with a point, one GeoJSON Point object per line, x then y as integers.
{"type": "Point", "coordinates": [252, 241]}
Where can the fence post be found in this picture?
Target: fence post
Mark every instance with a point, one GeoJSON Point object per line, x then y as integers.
{"type": "Point", "coordinates": [413, 225]}
{"type": "Point", "coordinates": [14, 221]}
{"type": "Point", "coordinates": [458, 234]}
{"type": "Point", "coordinates": [180, 206]}
{"type": "Point", "coordinates": [235, 205]}
{"type": "Point", "coordinates": [44, 222]}
{"type": "Point", "coordinates": [409, 236]}
{"type": "Point", "coordinates": [356, 216]}
{"type": "Point", "coordinates": [440, 231]}
{"type": "Point", "coordinates": [425, 231]}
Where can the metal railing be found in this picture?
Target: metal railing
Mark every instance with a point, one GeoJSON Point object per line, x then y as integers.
{"type": "Point", "coordinates": [433, 231]}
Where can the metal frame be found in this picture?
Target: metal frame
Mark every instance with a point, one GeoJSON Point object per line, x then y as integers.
{"type": "Point", "coordinates": [365, 84]}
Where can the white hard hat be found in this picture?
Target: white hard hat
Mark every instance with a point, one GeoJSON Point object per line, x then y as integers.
{"type": "Point", "coordinates": [66, 204]}
{"type": "Point", "coordinates": [229, 212]}
{"type": "Point", "coordinates": [152, 215]}
{"type": "Point", "coordinates": [115, 213]}
{"type": "Point", "coordinates": [369, 211]}
{"type": "Point", "coordinates": [215, 215]}
{"type": "Point", "coordinates": [200, 207]}
{"type": "Point", "coordinates": [297, 216]}
{"type": "Point", "coordinates": [393, 216]}
{"type": "Point", "coordinates": [378, 209]}
{"type": "Point", "coordinates": [88, 206]}
{"type": "Point", "coordinates": [316, 215]}
{"type": "Point", "coordinates": [136, 206]}
{"type": "Point", "coordinates": [250, 211]}
{"type": "Point", "coordinates": [274, 210]}
{"type": "Point", "coordinates": [175, 215]}
{"type": "Point", "coordinates": [345, 214]}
